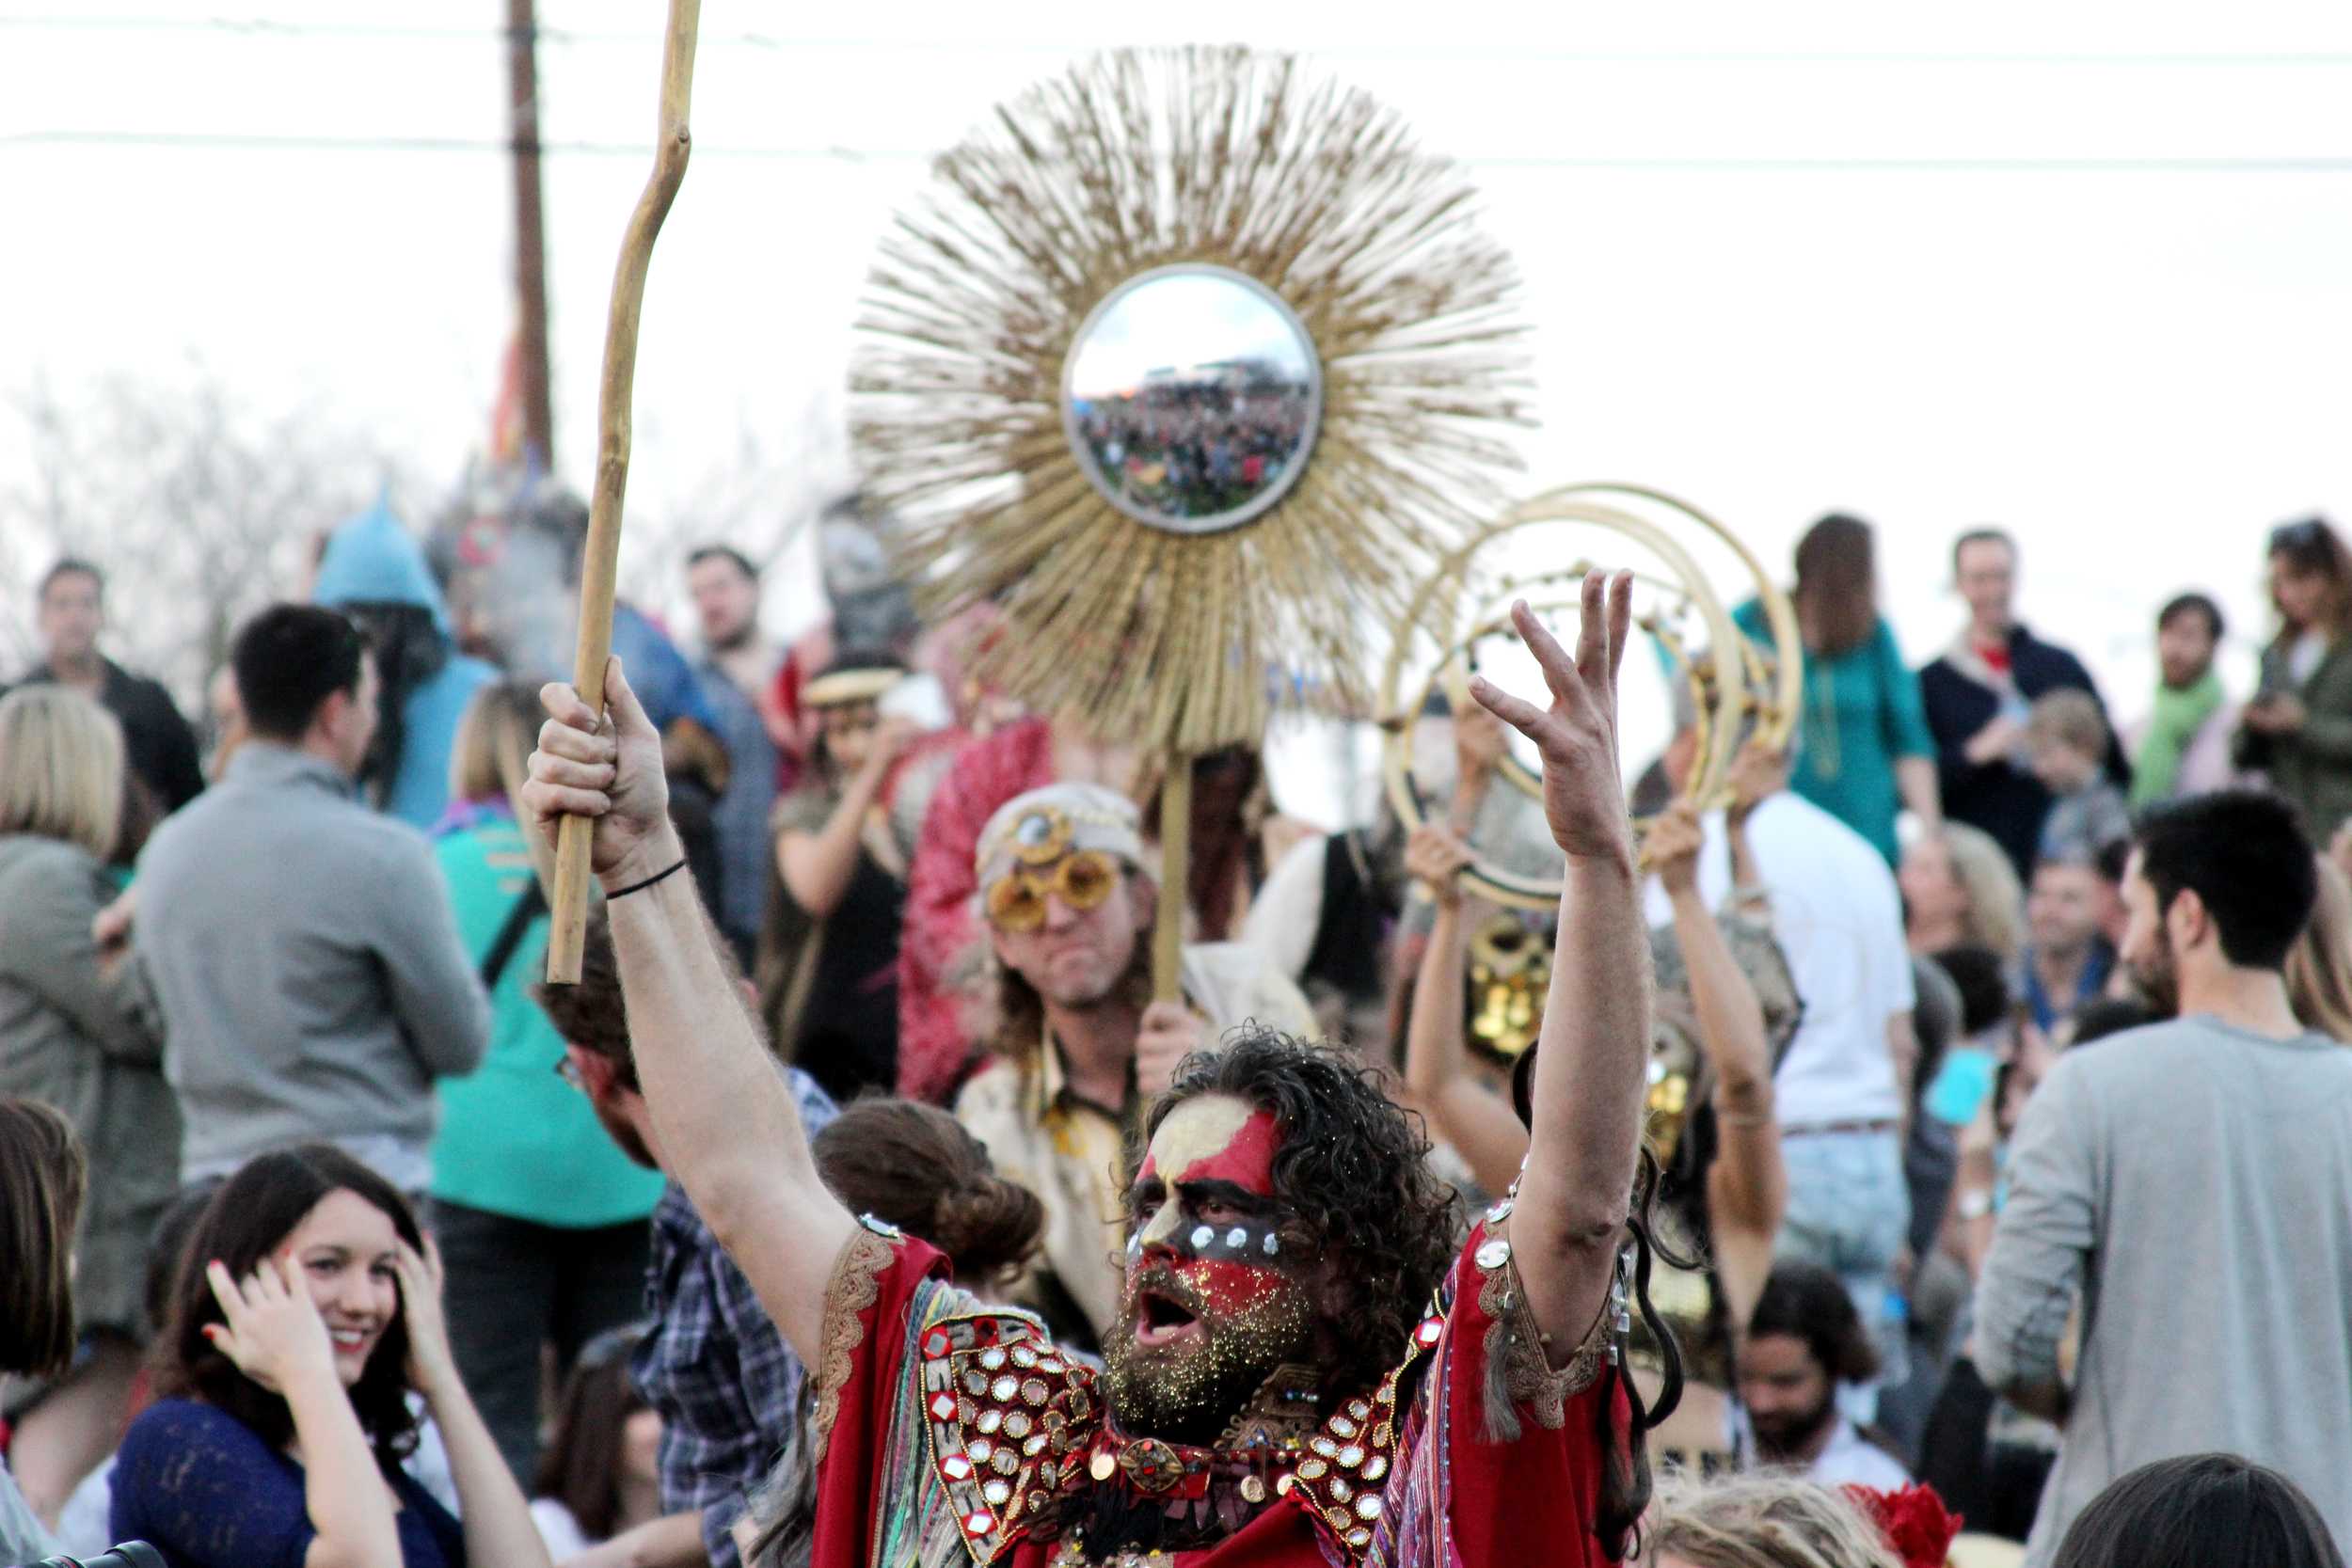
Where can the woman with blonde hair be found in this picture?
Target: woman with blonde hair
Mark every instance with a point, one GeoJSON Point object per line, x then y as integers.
{"type": "Point", "coordinates": [2319, 967]}
{"type": "Point", "coordinates": [542, 1220]}
{"type": "Point", "coordinates": [78, 1031]}
{"type": "Point", "coordinates": [1960, 891]}
{"type": "Point", "coordinates": [1762, 1521]}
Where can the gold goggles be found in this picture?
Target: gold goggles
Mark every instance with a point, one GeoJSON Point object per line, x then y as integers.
{"type": "Point", "coordinates": [1082, 880]}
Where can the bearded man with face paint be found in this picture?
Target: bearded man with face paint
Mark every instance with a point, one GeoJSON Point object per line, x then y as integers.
{"type": "Point", "coordinates": [1305, 1372]}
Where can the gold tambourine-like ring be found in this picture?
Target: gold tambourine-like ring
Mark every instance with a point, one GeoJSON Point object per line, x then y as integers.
{"type": "Point", "coordinates": [1754, 686]}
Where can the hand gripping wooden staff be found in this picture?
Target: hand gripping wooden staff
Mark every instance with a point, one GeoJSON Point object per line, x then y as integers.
{"type": "Point", "coordinates": [570, 909]}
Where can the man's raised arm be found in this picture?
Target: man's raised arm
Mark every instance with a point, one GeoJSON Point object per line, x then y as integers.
{"type": "Point", "coordinates": [1594, 1048]}
{"type": "Point", "coordinates": [723, 1116]}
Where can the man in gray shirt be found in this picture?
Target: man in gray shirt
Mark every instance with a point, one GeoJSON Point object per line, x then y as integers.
{"type": "Point", "coordinates": [302, 946]}
{"type": "Point", "coordinates": [2192, 1184]}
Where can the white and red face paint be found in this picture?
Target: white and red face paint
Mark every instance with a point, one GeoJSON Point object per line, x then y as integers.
{"type": "Point", "coordinates": [1217, 1226]}
{"type": "Point", "coordinates": [1207, 1248]}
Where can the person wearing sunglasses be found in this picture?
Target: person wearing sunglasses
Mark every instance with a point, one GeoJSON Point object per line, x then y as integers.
{"type": "Point", "coordinates": [1079, 1048]}
{"type": "Point", "coordinates": [2297, 730]}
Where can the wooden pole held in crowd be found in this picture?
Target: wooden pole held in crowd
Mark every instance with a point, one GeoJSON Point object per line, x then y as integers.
{"type": "Point", "coordinates": [568, 931]}
{"type": "Point", "coordinates": [1167, 932]}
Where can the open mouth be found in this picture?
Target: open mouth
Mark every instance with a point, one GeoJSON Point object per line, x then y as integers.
{"type": "Point", "coordinates": [350, 1341]}
{"type": "Point", "coordinates": [1162, 1320]}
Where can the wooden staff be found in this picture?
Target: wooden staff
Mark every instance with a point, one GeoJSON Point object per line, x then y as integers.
{"type": "Point", "coordinates": [1168, 935]}
{"type": "Point", "coordinates": [568, 934]}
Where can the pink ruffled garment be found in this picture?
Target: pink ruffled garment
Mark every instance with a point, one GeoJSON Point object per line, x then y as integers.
{"type": "Point", "coordinates": [934, 1047]}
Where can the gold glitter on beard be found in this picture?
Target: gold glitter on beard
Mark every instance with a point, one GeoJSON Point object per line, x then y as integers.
{"type": "Point", "coordinates": [1188, 1395]}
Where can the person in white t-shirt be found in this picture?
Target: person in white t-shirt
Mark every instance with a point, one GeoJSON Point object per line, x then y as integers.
{"type": "Point", "coordinates": [1843, 1086]}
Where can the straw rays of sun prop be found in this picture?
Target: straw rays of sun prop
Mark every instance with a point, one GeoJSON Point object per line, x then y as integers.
{"type": "Point", "coordinates": [1195, 366]}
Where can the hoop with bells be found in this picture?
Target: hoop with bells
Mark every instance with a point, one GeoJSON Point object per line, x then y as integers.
{"type": "Point", "coordinates": [1763, 695]}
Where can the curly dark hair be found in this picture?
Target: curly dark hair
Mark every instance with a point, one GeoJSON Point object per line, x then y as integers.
{"type": "Point", "coordinates": [1354, 1168]}
{"type": "Point", "coordinates": [1806, 1302]}
{"type": "Point", "coordinates": [248, 1219]}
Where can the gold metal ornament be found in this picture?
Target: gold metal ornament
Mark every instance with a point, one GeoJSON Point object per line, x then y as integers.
{"type": "Point", "coordinates": [1754, 691]}
{"type": "Point", "coordinates": [1132, 260]}
{"type": "Point", "coordinates": [1510, 971]}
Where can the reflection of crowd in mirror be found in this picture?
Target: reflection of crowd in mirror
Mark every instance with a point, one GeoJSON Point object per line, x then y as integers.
{"type": "Point", "coordinates": [1196, 448]}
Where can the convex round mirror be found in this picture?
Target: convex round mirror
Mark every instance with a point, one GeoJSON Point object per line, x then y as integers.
{"type": "Point", "coordinates": [1191, 397]}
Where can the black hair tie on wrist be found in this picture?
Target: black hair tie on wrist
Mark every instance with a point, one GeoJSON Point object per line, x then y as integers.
{"type": "Point", "coordinates": [640, 887]}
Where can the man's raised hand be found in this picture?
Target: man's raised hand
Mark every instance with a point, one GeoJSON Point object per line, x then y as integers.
{"type": "Point", "coordinates": [608, 769]}
{"type": "Point", "coordinates": [1436, 859]}
{"type": "Point", "coordinates": [1577, 735]}
{"type": "Point", "coordinates": [1673, 844]}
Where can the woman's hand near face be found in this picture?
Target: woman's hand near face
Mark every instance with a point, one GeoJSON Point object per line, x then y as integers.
{"type": "Point", "coordinates": [273, 1334]}
{"type": "Point", "coordinates": [891, 737]}
{"type": "Point", "coordinates": [431, 1366]}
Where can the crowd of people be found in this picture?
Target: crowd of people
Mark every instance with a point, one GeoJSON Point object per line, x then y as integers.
{"type": "Point", "coordinates": [1203, 446]}
{"type": "Point", "coordinates": [1969, 1180]}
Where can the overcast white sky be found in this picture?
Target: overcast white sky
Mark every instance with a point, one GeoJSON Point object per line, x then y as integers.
{"type": "Point", "coordinates": [2085, 270]}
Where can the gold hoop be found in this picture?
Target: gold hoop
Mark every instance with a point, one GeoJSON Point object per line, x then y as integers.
{"type": "Point", "coordinates": [1767, 689]}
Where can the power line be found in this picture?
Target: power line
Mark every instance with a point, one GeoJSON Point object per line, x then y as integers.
{"type": "Point", "coordinates": [246, 142]}
{"type": "Point", "coordinates": [241, 141]}
{"type": "Point", "coordinates": [264, 27]}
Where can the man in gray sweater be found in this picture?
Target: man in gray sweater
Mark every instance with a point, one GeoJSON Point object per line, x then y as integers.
{"type": "Point", "coordinates": [302, 946]}
{"type": "Point", "coordinates": [2192, 1184]}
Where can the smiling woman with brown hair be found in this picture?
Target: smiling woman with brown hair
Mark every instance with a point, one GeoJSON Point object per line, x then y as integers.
{"type": "Point", "coordinates": [284, 1375]}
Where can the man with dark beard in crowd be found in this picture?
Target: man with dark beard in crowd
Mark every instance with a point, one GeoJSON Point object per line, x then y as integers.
{"type": "Point", "coordinates": [1301, 1371]}
{"type": "Point", "coordinates": [1804, 1339]}
{"type": "Point", "coordinates": [2190, 1183]}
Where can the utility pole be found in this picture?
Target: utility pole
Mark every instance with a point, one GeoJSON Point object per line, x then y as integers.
{"type": "Point", "coordinates": [531, 258]}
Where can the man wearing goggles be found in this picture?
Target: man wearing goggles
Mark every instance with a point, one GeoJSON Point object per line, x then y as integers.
{"type": "Point", "coordinates": [1080, 1047]}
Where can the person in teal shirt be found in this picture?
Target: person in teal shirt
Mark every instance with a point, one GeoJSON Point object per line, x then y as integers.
{"type": "Point", "coordinates": [1861, 750]}
{"type": "Point", "coordinates": [543, 1222]}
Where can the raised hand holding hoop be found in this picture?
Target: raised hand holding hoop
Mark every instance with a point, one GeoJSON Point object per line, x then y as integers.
{"type": "Point", "coordinates": [1465, 602]}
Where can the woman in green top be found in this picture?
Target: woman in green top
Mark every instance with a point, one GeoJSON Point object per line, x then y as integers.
{"type": "Point", "coordinates": [542, 1220]}
{"type": "Point", "coordinates": [1862, 752]}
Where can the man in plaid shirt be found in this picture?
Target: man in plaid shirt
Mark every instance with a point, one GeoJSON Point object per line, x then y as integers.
{"type": "Point", "coordinates": [711, 1363]}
